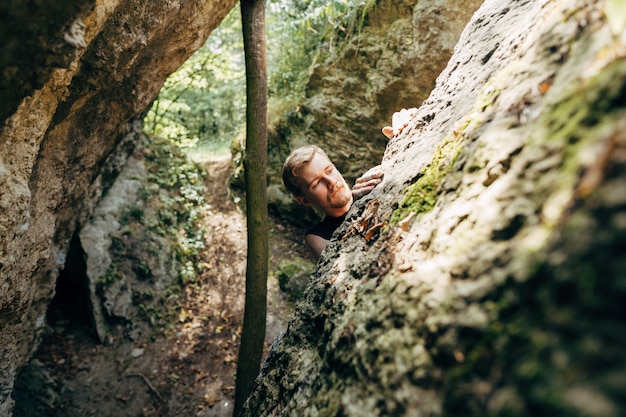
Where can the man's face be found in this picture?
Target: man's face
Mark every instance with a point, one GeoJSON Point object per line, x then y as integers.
{"type": "Point", "coordinates": [323, 187]}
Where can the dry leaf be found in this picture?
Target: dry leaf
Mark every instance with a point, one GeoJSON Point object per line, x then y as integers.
{"type": "Point", "coordinates": [209, 399]}
{"type": "Point", "coordinates": [406, 222]}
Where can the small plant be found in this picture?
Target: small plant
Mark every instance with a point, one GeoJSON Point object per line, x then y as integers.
{"type": "Point", "coordinates": [293, 276]}
{"type": "Point", "coordinates": [111, 276]}
{"type": "Point", "coordinates": [167, 219]}
{"type": "Point", "coordinates": [143, 271]}
{"type": "Point", "coordinates": [187, 273]}
{"type": "Point", "coordinates": [131, 215]}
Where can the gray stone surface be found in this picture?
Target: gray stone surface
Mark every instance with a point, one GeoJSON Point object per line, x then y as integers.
{"type": "Point", "coordinates": [504, 293]}
{"type": "Point", "coordinates": [74, 75]}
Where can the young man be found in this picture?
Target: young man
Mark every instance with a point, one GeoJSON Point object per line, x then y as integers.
{"type": "Point", "coordinates": [310, 175]}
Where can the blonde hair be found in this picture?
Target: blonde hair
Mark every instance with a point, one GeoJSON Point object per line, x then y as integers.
{"type": "Point", "coordinates": [298, 159]}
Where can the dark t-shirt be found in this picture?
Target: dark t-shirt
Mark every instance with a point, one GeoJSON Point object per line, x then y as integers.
{"type": "Point", "coordinates": [326, 227]}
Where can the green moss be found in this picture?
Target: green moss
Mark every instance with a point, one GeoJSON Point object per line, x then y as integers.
{"type": "Point", "coordinates": [110, 276]}
{"type": "Point", "coordinates": [132, 214]}
{"type": "Point", "coordinates": [421, 196]}
{"type": "Point", "coordinates": [293, 275]}
{"type": "Point", "coordinates": [574, 122]}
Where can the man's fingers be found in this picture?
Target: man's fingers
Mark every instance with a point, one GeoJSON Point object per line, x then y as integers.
{"type": "Point", "coordinates": [367, 184]}
{"type": "Point", "coordinates": [399, 121]}
{"type": "Point", "coordinates": [373, 173]}
{"type": "Point", "coordinates": [361, 191]}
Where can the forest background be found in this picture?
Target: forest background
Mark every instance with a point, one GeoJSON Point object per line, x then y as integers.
{"type": "Point", "coordinates": [201, 107]}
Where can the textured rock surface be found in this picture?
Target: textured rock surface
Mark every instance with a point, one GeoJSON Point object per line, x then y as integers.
{"type": "Point", "coordinates": [392, 63]}
{"type": "Point", "coordinates": [503, 294]}
{"type": "Point", "coordinates": [73, 75]}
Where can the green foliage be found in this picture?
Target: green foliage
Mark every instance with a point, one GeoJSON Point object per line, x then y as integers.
{"type": "Point", "coordinates": [298, 29]}
{"type": "Point", "coordinates": [293, 276]}
{"type": "Point", "coordinates": [171, 205]}
{"type": "Point", "coordinates": [175, 188]}
{"type": "Point", "coordinates": [203, 103]}
{"type": "Point", "coordinates": [105, 281]}
{"type": "Point", "coordinates": [132, 214]}
{"type": "Point", "coordinates": [180, 209]}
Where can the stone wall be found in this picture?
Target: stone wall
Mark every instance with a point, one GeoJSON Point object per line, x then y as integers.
{"type": "Point", "coordinates": [75, 75]}
{"type": "Point", "coordinates": [486, 274]}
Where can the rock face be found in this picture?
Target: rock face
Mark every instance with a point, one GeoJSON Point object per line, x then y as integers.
{"type": "Point", "coordinates": [75, 78]}
{"type": "Point", "coordinates": [495, 285]}
{"type": "Point", "coordinates": [392, 63]}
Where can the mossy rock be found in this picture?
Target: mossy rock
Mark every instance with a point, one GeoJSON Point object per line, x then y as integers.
{"type": "Point", "coordinates": [293, 276]}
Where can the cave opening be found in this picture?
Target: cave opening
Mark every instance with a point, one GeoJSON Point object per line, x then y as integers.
{"type": "Point", "coordinates": [70, 321]}
{"type": "Point", "coordinates": [71, 305]}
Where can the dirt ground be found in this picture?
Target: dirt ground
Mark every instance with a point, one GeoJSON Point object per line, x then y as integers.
{"type": "Point", "coordinates": [191, 370]}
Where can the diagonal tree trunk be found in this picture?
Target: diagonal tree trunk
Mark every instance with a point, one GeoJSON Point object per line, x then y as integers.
{"type": "Point", "coordinates": [255, 162]}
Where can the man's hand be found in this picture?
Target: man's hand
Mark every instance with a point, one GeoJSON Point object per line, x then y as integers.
{"type": "Point", "coordinates": [399, 121]}
{"type": "Point", "coordinates": [367, 182]}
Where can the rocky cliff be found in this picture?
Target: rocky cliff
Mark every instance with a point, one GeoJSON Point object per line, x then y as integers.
{"type": "Point", "coordinates": [75, 78]}
{"type": "Point", "coordinates": [486, 274]}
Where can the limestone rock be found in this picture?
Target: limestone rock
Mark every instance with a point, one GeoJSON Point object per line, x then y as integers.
{"type": "Point", "coordinates": [497, 285]}
{"type": "Point", "coordinates": [73, 75]}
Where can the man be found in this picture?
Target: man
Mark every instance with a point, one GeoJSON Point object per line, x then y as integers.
{"type": "Point", "coordinates": [310, 175]}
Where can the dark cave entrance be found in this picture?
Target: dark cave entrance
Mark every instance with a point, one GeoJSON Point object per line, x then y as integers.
{"type": "Point", "coordinates": [71, 305]}
{"type": "Point", "coordinates": [70, 320]}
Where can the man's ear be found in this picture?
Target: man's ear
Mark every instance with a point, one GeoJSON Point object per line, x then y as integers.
{"type": "Point", "coordinates": [304, 201]}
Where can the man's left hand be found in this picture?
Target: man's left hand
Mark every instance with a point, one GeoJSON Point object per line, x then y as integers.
{"type": "Point", "coordinates": [367, 182]}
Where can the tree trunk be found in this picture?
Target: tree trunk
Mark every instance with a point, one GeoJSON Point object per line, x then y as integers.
{"type": "Point", "coordinates": [255, 162]}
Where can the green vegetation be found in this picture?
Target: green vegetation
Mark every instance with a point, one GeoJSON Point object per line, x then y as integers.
{"type": "Point", "coordinates": [421, 196]}
{"type": "Point", "coordinates": [203, 103]}
{"type": "Point", "coordinates": [293, 276]}
{"type": "Point", "coordinates": [166, 222]}
{"type": "Point", "coordinates": [106, 280]}
{"type": "Point", "coordinates": [297, 29]}
{"type": "Point", "coordinates": [181, 207]}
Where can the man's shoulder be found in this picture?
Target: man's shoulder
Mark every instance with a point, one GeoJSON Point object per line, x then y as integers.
{"type": "Point", "coordinates": [326, 227]}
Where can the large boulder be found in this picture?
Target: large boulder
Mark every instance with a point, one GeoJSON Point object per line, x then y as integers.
{"type": "Point", "coordinates": [76, 76]}
{"type": "Point", "coordinates": [486, 275]}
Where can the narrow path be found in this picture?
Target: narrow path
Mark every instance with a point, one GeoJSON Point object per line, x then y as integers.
{"type": "Point", "coordinates": [190, 370]}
